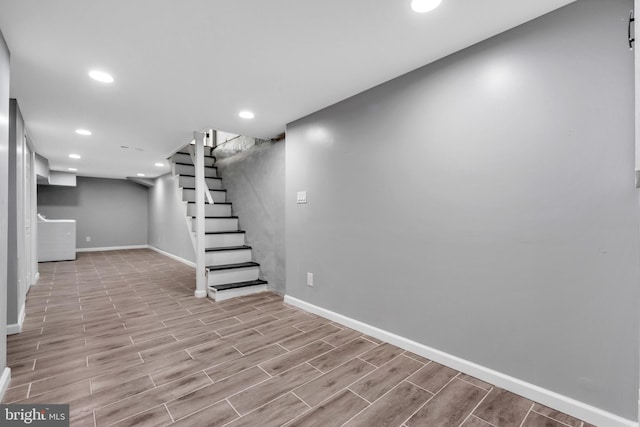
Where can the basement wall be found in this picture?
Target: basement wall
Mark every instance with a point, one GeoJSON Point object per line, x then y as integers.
{"type": "Point", "coordinates": [254, 179]}
{"type": "Point", "coordinates": [485, 206]}
{"type": "Point", "coordinates": [112, 212]}
{"type": "Point", "coordinates": [168, 230]}
{"type": "Point", "coordinates": [5, 372]}
{"type": "Point", "coordinates": [19, 276]}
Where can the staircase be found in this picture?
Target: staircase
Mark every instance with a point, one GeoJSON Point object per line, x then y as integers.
{"type": "Point", "coordinates": [229, 266]}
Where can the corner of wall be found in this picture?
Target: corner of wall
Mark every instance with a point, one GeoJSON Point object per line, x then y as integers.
{"type": "Point", "coordinates": [16, 328]}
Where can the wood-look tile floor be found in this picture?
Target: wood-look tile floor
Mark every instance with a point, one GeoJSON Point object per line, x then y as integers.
{"type": "Point", "coordinates": [120, 337]}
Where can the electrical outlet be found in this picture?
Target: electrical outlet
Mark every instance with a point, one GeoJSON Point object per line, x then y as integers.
{"type": "Point", "coordinates": [302, 197]}
{"type": "Point", "coordinates": [88, 238]}
{"type": "Point", "coordinates": [309, 279]}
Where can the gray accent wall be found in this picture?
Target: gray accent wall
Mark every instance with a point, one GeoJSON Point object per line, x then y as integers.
{"type": "Point", "coordinates": [168, 230]}
{"type": "Point", "coordinates": [113, 212]}
{"type": "Point", "coordinates": [4, 170]}
{"type": "Point", "coordinates": [485, 206]}
{"type": "Point", "coordinates": [254, 179]}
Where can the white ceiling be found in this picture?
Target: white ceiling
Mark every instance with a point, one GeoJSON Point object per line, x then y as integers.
{"type": "Point", "coordinates": [185, 65]}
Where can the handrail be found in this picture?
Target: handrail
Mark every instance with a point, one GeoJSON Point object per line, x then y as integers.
{"type": "Point", "coordinates": [222, 143]}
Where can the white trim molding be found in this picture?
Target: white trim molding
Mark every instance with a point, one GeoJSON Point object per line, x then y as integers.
{"type": "Point", "coordinates": [530, 391]}
{"type": "Point", "coordinates": [16, 328]}
{"type": "Point", "coordinates": [5, 379]}
{"type": "Point", "coordinates": [172, 256]}
{"type": "Point", "coordinates": [112, 248]}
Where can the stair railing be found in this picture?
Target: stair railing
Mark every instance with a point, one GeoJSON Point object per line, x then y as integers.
{"type": "Point", "coordinates": [202, 189]}
{"type": "Point", "coordinates": [207, 191]}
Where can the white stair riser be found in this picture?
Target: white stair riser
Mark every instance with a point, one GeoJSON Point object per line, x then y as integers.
{"type": "Point", "coordinates": [191, 170]}
{"type": "Point", "coordinates": [212, 225]}
{"type": "Point", "coordinates": [228, 257]}
{"type": "Point", "coordinates": [210, 210]}
{"type": "Point", "coordinates": [186, 158]}
{"type": "Point", "coordinates": [190, 181]}
{"type": "Point", "coordinates": [217, 196]}
{"type": "Point", "coordinates": [233, 293]}
{"type": "Point", "coordinates": [222, 240]}
{"type": "Point", "coordinates": [234, 275]}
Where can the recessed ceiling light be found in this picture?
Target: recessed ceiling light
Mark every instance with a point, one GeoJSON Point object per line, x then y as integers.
{"type": "Point", "coordinates": [101, 76]}
{"type": "Point", "coordinates": [159, 164]}
{"type": "Point", "coordinates": [74, 156]}
{"type": "Point", "coordinates": [246, 114]}
{"type": "Point", "coordinates": [140, 174]}
{"type": "Point", "coordinates": [73, 169]}
{"type": "Point", "coordinates": [423, 6]}
{"type": "Point", "coordinates": [83, 132]}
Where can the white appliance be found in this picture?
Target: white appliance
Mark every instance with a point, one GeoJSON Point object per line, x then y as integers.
{"type": "Point", "coordinates": [56, 239]}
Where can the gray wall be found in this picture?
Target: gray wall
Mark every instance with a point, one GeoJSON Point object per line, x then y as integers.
{"type": "Point", "coordinates": [4, 170]}
{"type": "Point", "coordinates": [168, 230]}
{"type": "Point", "coordinates": [16, 137]}
{"type": "Point", "coordinates": [12, 225]}
{"type": "Point", "coordinates": [254, 180]}
{"type": "Point", "coordinates": [114, 212]}
{"type": "Point", "coordinates": [485, 206]}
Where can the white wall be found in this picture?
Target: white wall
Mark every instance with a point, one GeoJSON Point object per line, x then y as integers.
{"type": "Point", "coordinates": [4, 168]}
{"type": "Point", "coordinates": [168, 230]}
{"type": "Point", "coordinates": [20, 275]}
{"type": "Point", "coordinates": [485, 206]}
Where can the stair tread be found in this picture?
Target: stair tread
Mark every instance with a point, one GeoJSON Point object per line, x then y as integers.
{"type": "Point", "coordinates": [215, 203]}
{"type": "Point", "coordinates": [226, 232]}
{"type": "Point", "coordinates": [191, 164]}
{"type": "Point", "coordinates": [227, 248]}
{"type": "Point", "coordinates": [188, 154]}
{"type": "Point", "coordinates": [211, 189]}
{"type": "Point", "coordinates": [232, 266]}
{"type": "Point", "coordinates": [227, 286]}
{"type": "Point", "coordinates": [193, 176]}
{"type": "Point", "coordinates": [218, 217]}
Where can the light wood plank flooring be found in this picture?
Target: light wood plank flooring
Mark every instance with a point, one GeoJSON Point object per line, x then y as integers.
{"type": "Point", "coordinates": [120, 337]}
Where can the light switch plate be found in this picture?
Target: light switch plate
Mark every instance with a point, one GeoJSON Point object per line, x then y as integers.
{"type": "Point", "coordinates": [302, 197]}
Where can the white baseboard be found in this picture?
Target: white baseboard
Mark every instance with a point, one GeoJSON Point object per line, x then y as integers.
{"type": "Point", "coordinates": [5, 379]}
{"type": "Point", "coordinates": [16, 328]}
{"type": "Point", "coordinates": [35, 279]}
{"type": "Point", "coordinates": [530, 391]}
{"type": "Point", "coordinates": [177, 258]}
{"type": "Point", "coordinates": [112, 248]}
